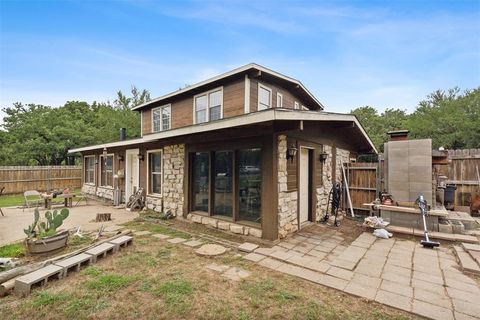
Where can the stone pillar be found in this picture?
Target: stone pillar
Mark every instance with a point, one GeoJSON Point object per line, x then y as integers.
{"type": "Point", "coordinates": [287, 201]}
{"type": "Point", "coordinates": [173, 170]}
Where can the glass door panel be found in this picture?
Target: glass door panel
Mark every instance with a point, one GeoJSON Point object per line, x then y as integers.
{"type": "Point", "coordinates": [200, 179]}
{"type": "Point", "coordinates": [223, 182]}
{"type": "Point", "coordinates": [250, 184]}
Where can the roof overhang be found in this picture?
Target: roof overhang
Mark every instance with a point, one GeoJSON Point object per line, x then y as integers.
{"type": "Point", "coordinates": [238, 121]}
{"type": "Point", "coordinates": [246, 68]}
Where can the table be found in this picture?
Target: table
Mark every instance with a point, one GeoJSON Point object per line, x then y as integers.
{"type": "Point", "coordinates": [68, 199]}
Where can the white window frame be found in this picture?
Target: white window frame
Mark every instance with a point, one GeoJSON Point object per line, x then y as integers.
{"type": "Point", "coordinates": [296, 105]}
{"type": "Point", "coordinates": [279, 98]}
{"type": "Point", "coordinates": [169, 106]}
{"type": "Point", "coordinates": [113, 169]}
{"type": "Point", "coordinates": [85, 171]}
{"type": "Point", "coordinates": [148, 172]}
{"type": "Point", "coordinates": [207, 93]}
{"type": "Point", "coordinates": [261, 85]}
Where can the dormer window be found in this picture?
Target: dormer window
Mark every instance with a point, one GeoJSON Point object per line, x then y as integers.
{"type": "Point", "coordinates": [264, 97]}
{"type": "Point", "coordinates": [161, 118]}
{"type": "Point", "coordinates": [208, 106]}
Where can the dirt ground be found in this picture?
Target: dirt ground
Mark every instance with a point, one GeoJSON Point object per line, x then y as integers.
{"type": "Point", "coordinates": [154, 279]}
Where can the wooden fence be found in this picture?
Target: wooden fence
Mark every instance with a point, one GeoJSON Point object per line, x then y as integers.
{"type": "Point", "coordinates": [461, 170]}
{"type": "Point", "coordinates": [362, 184]}
{"type": "Point", "coordinates": [17, 179]}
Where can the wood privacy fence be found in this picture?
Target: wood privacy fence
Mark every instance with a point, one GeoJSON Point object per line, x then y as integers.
{"type": "Point", "coordinates": [18, 179]}
{"type": "Point", "coordinates": [363, 183]}
{"type": "Point", "coordinates": [461, 171]}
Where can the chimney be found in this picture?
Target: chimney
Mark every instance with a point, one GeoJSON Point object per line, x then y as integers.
{"type": "Point", "coordinates": [123, 133]}
{"type": "Point", "coordinates": [398, 135]}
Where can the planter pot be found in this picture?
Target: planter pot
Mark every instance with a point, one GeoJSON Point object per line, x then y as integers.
{"type": "Point", "coordinates": [49, 244]}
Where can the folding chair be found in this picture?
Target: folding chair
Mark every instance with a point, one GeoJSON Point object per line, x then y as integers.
{"type": "Point", "coordinates": [33, 199]}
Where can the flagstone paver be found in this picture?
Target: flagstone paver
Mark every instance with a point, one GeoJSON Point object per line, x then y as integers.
{"type": "Point", "coordinates": [142, 233]}
{"type": "Point", "coordinates": [177, 240]}
{"type": "Point", "coordinates": [247, 247]}
{"type": "Point", "coordinates": [395, 272]}
{"type": "Point", "coordinates": [161, 236]}
{"type": "Point", "coordinates": [193, 243]}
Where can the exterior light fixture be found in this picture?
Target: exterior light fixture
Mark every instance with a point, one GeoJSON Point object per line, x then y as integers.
{"type": "Point", "coordinates": [291, 152]}
{"type": "Point", "coordinates": [104, 153]}
{"type": "Point", "coordinates": [323, 157]}
{"type": "Point", "coordinates": [140, 156]}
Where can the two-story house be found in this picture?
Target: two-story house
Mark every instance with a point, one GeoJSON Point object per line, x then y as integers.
{"type": "Point", "coordinates": [250, 151]}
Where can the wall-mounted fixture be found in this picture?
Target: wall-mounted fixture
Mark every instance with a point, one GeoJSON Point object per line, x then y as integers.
{"type": "Point", "coordinates": [140, 156]}
{"type": "Point", "coordinates": [323, 157]}
{"type": "Point", "coordinates": [291, 152]}
{"type": "Point", "coordinates": [120, 157]}
{"type": "Point", "coordinates": [104, 151]}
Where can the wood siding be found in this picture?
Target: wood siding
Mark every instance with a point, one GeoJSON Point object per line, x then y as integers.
{"type": "Point", "coordinates": [292, 167]}
{"type": "Point", "coordinates": [234, 99]}
{"type": "Point", "coordinates": [288, 98]}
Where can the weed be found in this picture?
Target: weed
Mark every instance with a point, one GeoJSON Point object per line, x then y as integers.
{"type": "Point", "coordinates": [164, 253]}
{"type": "Point", "coordinates": [13, 250]}
{"type": "Point", "coordinates": [76, 241]}
{"type": "Point", "coordinates": [283, 296]}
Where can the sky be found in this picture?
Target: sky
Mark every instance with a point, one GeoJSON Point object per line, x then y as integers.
{"type": "Point", "coordinates": [385, 54]}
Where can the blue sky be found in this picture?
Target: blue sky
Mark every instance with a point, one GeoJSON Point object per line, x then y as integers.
{"type": "Point", "coordinates": [349, 54]}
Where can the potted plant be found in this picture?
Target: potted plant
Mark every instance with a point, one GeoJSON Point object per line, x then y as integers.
{"type": "Point", "coordinates": [43, 237]}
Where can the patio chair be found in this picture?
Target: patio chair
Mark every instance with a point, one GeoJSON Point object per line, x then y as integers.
{"type": "Point", "coordinates": [1, 192]}
{"type": "Point", "coordinates": [33, 199]}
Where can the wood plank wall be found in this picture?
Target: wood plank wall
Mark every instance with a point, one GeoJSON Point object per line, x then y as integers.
{"type": "Point", "coordinates": [362, 183]}
{"type": "Point", "coordinates": [18, 179]}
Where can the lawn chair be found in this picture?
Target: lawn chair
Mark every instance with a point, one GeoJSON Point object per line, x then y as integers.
{"type": "Point", "coordinates": [1, 192]}
{"type": "Point", "coordinates": [33, 199]}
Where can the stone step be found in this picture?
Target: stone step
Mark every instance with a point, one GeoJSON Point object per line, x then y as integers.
{"type": "Point", "coordinates": [74, 262]}
{"type": "Point", "coordinates": [473, 250]}
{"type": "Point", "coordinates": [122, 241]}
{"type": "Point", "coordinates": [23, 284]}
{"type": "Point", "coordinates": [467, 263]}
{"type": "Point", "coordinates": [100, 251]}
{"type": "Point", "coordinates": [434, 235]}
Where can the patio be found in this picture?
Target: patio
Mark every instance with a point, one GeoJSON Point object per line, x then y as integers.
{"type": "Point", "coordinates": [15, 219]}
{"type": "Point", "coordinates": [395, 272]}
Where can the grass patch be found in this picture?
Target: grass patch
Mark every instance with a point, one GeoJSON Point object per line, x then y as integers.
{"type": "Point", "coordinates": [164, 253]}
{"type": "Point", "coordinates": [176, 294]}
{"type": "Point", "coordinates": [13, 250]}
{"type": "Point", "coordinates": [138, 259]}
{"type": "Point", "coordinates": [46, 298]}
{"type": "Point", "coordinates": [91, 271]}
{"type": "Point", "coordinates": [156, 228]}
{"type": "Point", "coordinates": [12, 200]}
{"type": "Point", "coordinates": [110, 282]}
{"type": "Point", "coordinates": [76, 241]}
{"type": "Point", "coordinates": [284, 296]}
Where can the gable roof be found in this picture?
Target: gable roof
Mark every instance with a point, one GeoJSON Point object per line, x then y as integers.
{"type": "Point", "coordinates": [246, 68]}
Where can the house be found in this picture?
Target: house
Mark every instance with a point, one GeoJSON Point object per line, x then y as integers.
{"type": "Point", "coordinates": [251, 151]}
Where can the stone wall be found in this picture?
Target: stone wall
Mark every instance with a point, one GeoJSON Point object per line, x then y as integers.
{"type": "Point", "coordinates": [327, 177]}
{"type": "Point", "coordinates": [173, 167]}
{"type": "Point", "coordinates": [225, 225]}
{"type": "Point", "coordinates": [104, 192]}
{"type": "Point", "coordinates": [287, 201]}
{"type": "Point", "coordinates": [89, 189]}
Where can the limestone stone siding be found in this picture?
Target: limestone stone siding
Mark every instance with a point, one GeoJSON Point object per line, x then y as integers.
{"type": "Point", "coordinates": [287, 201]}
{"type": "Point", "coordinates": [154, 203]}
{"type": "Point", "coordinates": [225, 225]}
{"type": "Point", "coordinates": [324, 190]}
{"type": "Point", "coordinates": [89, 189]}
{"type": "Point", "coordinates": [173, 170]}
{"type": "Point", "coordinates": [104, 192]}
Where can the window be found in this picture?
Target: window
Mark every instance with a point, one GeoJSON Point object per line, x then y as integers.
{"type": "Point", "coordinates": [161, 118]}
{"type": "Point", "coordinates": [223, 168]}
{"type": "Point", "coordinates": [250, 184]}
{"type": "Point", "coordinates": [155, 172]}
{"type": "Point", "coordinates": [296, 105]}
{"type": "Point", "coordinates": [89, 166]}
{"type": "Point", "coordinates": [264, 97]}
{"type": "Point", "coordinates": [106, 170]}
{"type": "Point", "coordinates": [208, 106]}
{"type": "Point", "coordinates": [279, 100]}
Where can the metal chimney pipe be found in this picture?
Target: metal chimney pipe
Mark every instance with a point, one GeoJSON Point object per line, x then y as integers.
{"type": "Point", "coordinates": [123, 134]}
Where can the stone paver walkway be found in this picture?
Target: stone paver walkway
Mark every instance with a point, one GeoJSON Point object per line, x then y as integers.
{"type": "Point", "coordinates": [395, 272]}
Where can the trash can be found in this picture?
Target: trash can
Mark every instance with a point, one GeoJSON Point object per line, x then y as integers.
{"type": "Point", "coordinates": [449, 199]}
{"type": "Point", "coordinates": [117, 197]}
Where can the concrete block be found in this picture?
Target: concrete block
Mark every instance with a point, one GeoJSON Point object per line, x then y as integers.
{"type": "Point", "coordinates": [74, 262]}
{"type": "Point", "coordinates": [100, 251]}
{"type": "Point", "coordinates": [123, 241]}
{"type": "Point", "coordinates": [24, 283]}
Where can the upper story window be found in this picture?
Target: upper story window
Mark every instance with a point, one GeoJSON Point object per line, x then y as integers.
{"type": "Point", "coordinates": [296, 105]}
{"type": "Point", "coordinates": [106, 170]}
{"type": "Point", "coordinates": [208, 106]}
{"type": "Point", "coordinates": [264, 97]}
{"type": "Point", "coordinates": [279, 100]}
{"type": "Point", "coordinates": [89, 167]}
{"type": "Point", "coordinates": [161, 118]}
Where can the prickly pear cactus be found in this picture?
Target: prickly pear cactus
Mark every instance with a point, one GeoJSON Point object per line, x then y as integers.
{"type": "Point", "coordinates": [30, 231]}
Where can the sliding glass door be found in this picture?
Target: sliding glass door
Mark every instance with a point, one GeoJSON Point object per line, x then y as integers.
{"type": "Point", "coordinates": [200, 179]}
{"type": "Point", "coordinates": [250, 185]}
{"type": "Point", "coordinates": [223, 182]}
